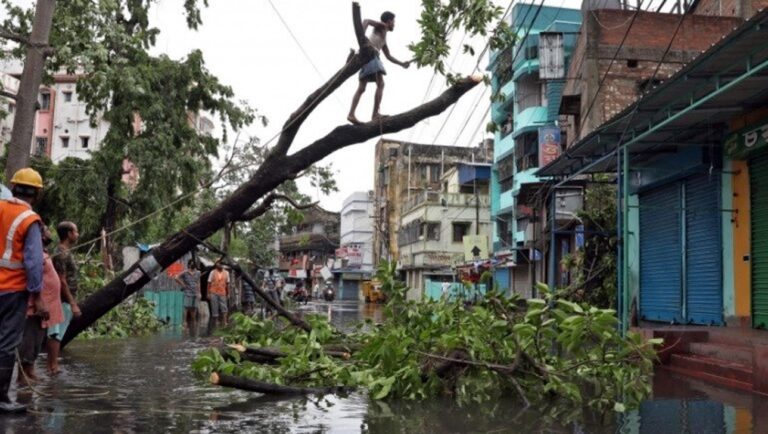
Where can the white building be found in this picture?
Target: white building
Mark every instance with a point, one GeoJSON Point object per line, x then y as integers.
{"type": "Point", "coordinates": [10, 85]}
{"type": "Point", "coordinates": [354, 258]}
{"type": "Point", "coordinates": [435, 223]}
{"type": "Point", "coordinates": [73, 135]}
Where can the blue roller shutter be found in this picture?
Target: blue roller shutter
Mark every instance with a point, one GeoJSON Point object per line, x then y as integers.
{"type": "Point", "coordinates": [660, 255]}
{"type": "Point", "coordinates": [703, 250]}
{"type": "Point", "coordinates": [350, 290]}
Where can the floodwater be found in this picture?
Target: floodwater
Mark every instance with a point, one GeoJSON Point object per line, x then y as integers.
{"type": "Point", "coordinates": [145, 385]}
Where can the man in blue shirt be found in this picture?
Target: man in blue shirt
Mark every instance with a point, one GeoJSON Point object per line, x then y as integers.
{"type": "Point", "coordinates": [21, 273]}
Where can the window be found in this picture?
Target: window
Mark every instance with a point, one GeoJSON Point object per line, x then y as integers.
{"type": "Point", "coordinates": [459, 231]}
{"type": "Point", "coordinates": [84, 141]}
{"type": "Point", "coordinates": [45, 100]}
{"type": "Point", "coordinates": [64, 142]}
{"type": "Point", "coordinates": [423, 172]}
{"type": "Point", "coordinates": [41, 146]}
{"type": "Point", "coordinates": [434, 173]}
{"type": "Point", "coordinates": [11, 107]}
{"type": "Point", "coordinates": [433, 231]}
{"type": "Point", "coordinates": [67, 96]}
{"type": "Point", "coordinates": [631, 63]}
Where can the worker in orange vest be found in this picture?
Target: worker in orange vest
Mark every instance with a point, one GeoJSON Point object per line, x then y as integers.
{"type": "Point", "coordinates": [21, 272]}
{"type": "Point", "coordinates": [218, 289]}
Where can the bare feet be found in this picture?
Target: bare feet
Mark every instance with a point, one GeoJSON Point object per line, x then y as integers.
{"type": "Point", "coordinates": [353, 120]}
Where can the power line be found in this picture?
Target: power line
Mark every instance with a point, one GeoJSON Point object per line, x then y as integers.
{"type": "Point", "coordinates": [605, 76]}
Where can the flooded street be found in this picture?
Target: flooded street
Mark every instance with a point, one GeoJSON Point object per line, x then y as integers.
{"type": "Point", "coordinates": [146, 385]}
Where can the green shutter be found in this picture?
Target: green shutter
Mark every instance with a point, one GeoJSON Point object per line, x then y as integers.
{"type": "Point", "coordinates": [758, 170]}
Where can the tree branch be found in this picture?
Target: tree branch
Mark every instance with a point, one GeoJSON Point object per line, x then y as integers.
{"type": "Point", "coordinates": [345, 135]}
{"type": "Point", "coordinates": [354, 64]}
{"type": "Point", "coordinates": [11, 36]}
{"type": "Point", "coordinates": [266, 204]}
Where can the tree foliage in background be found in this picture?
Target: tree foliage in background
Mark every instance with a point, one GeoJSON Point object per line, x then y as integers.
{"type": "Point", "coordinates": [107, 43]}
{"type": "Point", "coordinates": [594, 265]}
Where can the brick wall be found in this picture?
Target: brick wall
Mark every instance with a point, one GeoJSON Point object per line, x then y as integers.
{"type": "Point", "coordinates": [730, 8]}
{"type": "Point", "coordinates": [635, 63]}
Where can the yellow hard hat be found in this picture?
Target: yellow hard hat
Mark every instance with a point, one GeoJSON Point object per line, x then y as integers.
{"type": "Point", "coordinates": [27, 176]}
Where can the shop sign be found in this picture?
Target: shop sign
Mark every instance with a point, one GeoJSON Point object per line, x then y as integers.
{"type": "Point", "coordinates": [549, 145]}
{"type": "Point", "coordinates": [749, 139]}
{"type": "Point", "coordinates": [354, 257]}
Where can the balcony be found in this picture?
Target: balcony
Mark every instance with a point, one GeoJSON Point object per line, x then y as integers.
{"type": "Point", "coordinates": [503, 147]}
{"type": "Point", "coordinates": [508, 90]}
{"type": "Point", "coordinates": [530, 119]}
{"type": "Point", "coordinates": [499, 113]}
{"type": "Point", "coordinates": [435, 198]}
{"type": "Point", "coordinates": [506, 201]}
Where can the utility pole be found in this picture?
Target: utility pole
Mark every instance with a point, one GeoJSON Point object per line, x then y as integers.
{"type": "Point", "coordinates": [477, 205]}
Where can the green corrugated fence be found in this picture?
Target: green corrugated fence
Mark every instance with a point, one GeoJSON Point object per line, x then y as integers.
{"type": "Point", "coordinates": [169, 305]}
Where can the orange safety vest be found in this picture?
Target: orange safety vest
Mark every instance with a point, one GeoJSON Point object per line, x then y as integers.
{"type": "Point", "coordinates": [15, 218]}
{"type": "Point", "coordinates": [218, 284]}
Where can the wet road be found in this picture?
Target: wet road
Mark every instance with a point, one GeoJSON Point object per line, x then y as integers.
{"type": "Point", "coordinates": [146, 385]}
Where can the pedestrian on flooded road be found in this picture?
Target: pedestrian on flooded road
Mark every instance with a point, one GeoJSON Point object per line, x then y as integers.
{"type": "Point", "coordinates": [36, 325]}
{"type": "Point", "coordinates": [218, 289]}
{"type": "Point", "coordinates": [65, 264]}
{"type": "Point", "coordinates": [189, 280]}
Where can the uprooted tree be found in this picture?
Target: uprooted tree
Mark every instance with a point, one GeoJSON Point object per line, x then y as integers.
{"type": "Point", "coordinates": [254, 197]}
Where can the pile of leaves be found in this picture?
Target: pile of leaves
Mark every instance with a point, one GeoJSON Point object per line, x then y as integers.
{"type": "Point", "coordinates": [135, 317]}
{"type": "Point", "coordinates": [543, 351]}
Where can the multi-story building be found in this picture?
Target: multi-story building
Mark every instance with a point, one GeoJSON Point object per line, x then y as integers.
{"type": "Point", "coordinates": [354, 258]}
{"type": "Point", "coordinates": [62, 126]}
{"type": "Point", "coordinates": [311, 246]}
{"type": "Point", "coordinates": [436, 226]}
{"type": "Point", "coordinates": [527, 88]}
{"type": "Point", "coordinates": [404, 172]}
{"type": "Point", "coordinates": [10, 85]}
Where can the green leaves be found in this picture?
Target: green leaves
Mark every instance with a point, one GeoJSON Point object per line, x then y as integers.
{"type": "Point", "coordinates": [440, 18]}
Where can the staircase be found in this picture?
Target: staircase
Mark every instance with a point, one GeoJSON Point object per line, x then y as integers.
{"type": "Point", "coordinates": [722, 358]}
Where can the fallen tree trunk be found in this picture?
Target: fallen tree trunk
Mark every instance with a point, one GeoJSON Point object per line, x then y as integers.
{"type": "Point", "coordinates": [270, 388]}
{"type": "Point", "coordinates": [276, 353]}
{"type": "Point", "coordinates": [277, 168]}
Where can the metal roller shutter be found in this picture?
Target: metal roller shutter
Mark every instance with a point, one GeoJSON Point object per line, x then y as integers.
{"type": "Point", "coordinates": [758, 170]}
{"type": "Point", "coordinates": [350, 290]}
{"type": "Point", "coordinates": [661, 265]}
{"type": "Point", "coordinates": [703, 251]}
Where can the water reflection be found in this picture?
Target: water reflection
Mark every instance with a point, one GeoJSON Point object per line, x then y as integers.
{"type": "Point", "coordinates": [145, 385]}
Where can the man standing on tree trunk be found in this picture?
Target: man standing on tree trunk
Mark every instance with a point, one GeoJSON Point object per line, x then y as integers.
{"type": "Point", "coordinates": [21, 273]}
{"type": "Point", "coordinates": [218, 288]}
{"type": "Point", "coordinates": [65, 265]}
{"type": "Point", "coordinates": [374, 70]}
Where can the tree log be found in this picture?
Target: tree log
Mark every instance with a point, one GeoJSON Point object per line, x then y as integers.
{"type": "Point", "coordinates": [270, 388]}
{"type": "Point", "coordinates": [276, 353]}
{"type": "Point", "coordinates": [278, 168]}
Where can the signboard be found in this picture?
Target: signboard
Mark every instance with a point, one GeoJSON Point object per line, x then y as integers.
{"type": "Point", "coordinates": [747, 140]}
{"type": "Point", "coordinates": [549, 145]}
{"type": "Point", "coordinates": [341, 253]}
{"type": "Point", "coordinates": [551, 56]}
{"type": "Point", "coordinates": [354, 257]}
{"type": "Point", "coordinates": [475, 247]}
{"type": "Point", "coordinates": [326, 273]}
